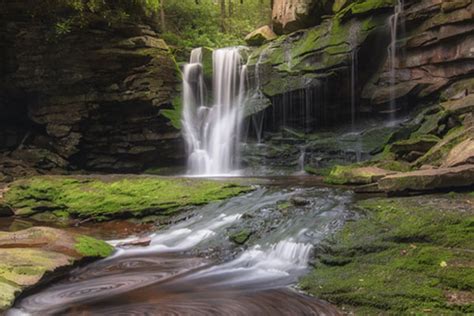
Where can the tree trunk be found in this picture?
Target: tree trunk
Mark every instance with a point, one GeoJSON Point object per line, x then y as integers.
{"type": "Point", "coordinates": [162, 16]}
{"type": "Point", "coordinates": [222, 15]}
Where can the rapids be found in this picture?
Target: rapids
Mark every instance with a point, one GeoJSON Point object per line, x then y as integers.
{"type": "Point", "coordinates": [192, 268]}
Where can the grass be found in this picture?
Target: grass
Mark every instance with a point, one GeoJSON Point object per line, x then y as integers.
{"type": "Point", "coordinates": [107, 198]}
{"type": "Point", "coordinates": [405, 256]}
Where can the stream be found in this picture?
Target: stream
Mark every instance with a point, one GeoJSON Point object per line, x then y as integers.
{"type": "Point", "coordinates": [193, 268]}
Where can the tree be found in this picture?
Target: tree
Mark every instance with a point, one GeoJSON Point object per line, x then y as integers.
{"type": "Point", "coordinates": [162, 16]}
{"type": "Point", "coordinates": [222, 15]}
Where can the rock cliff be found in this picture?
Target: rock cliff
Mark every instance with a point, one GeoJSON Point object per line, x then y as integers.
{"type": "Point", "coordinates": [96, 98]}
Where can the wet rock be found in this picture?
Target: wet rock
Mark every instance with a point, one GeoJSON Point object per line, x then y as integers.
{"type": "Point", "coordinates": [31, 255]}
{"type": "Point", "coordinates": [437, 50]}
{"type": "Point", "coordinates": [429, 180]}
{"type": "Point", "coordinates": [241, 237]}
{"type": "Point", "coordinates": [142, 242]}
{"type": "Point", "coordinates": [5, 210]}
{"type": "Point", "coordinates": [260, 36]}
{"type": "Point", "coordinates": [299, 201]}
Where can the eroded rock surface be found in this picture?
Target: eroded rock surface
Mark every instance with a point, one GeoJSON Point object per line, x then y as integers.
{"type": "Point", "coordinates": [30, 256]}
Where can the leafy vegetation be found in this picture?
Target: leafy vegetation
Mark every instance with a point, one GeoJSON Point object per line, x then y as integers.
{"type": "Point", "coordinates": [184, 24]}
{"type": "Point", "coordinates": [190, 25]}
{"type": "Point", "coordinates": [103, 199]}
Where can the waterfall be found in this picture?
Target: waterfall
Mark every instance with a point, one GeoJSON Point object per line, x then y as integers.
{"type": "Point", "coordinates": [212, 133]}
{"type": "Point", "coordinates": [392, 53]}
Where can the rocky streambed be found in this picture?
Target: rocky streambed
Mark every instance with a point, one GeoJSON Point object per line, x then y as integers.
{"type": "Point", "coordinates": [255, 252]}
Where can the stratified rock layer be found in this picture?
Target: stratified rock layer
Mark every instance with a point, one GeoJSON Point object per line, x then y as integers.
{"type": "Point", "coordinates": [94, 98]}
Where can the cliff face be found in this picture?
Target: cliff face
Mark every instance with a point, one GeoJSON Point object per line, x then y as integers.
{"type": "Point", "coordinates": [94, 98]}
{"type": "Point", "coordinates": [434, 50]}
{"type": "Point", "coordinates": [345, 56]}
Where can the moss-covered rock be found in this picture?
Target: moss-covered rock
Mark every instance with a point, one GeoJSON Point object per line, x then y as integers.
{"type": "Point", "coordinates": [405, 256]}
{"type": "Point", "coordinates": [30, 256]}
{"type": "Point", "coordinates": [356, 174]}
{"type": "Point", "coordinates": [241, 237]}
{"type": "Point", "coordinates": [106, 197]}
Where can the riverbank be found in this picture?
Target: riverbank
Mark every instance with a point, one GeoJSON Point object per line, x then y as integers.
{"type": "Point", "coordinates": [412, 255]}
{"type": "Point", "coordinates": [106, 197]}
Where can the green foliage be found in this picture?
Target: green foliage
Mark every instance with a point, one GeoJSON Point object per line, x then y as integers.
{"type": "Point", "coordinates": [110, 198]}
{"type": "Point", "coordinates": [190, 25]}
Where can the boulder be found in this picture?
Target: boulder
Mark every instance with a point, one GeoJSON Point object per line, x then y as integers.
{"type": "Point", "coordinates": [429, 180]}
{"type": "Point", "coordinates": [461, 154]}
{"type": "Point", "coordinates": [260, 36]}
{"type": "Point", "coordinates": [292, 15]}
{"type": "Point", "coordinates": [30, 256]}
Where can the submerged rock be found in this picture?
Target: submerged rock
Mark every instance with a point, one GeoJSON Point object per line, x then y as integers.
{"type": "Point", "coordinates": [30, 256]}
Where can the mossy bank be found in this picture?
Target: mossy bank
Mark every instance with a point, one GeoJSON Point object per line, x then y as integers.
{"type": "Point", "coordinates": [410, 255]}
{"type": "Point", "coordinates": [107, 197]}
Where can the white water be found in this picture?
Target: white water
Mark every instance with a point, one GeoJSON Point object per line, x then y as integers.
{"type": "Point", "coordinates": [392, 53]}
{"type": "Point", "coordinates": [212, 133]}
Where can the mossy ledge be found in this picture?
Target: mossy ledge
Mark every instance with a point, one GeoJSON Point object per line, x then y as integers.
{"type": "Point", "coordinates": [102, 198]}
{"type": "Point", "coordinates": [410, 255]}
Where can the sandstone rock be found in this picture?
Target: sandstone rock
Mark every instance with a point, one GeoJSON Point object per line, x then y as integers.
{"type": "Point", "coordinates": [437, 53]}
{"type": "Point", "coordinates": [142, 242]}
{"type": "Point", "coordinates": [291, 15]}
{"type": "Point", "coordinates": [260, 36]}
{"type": "Point", "coordinates": [460, 105]}
{"type": "Point", "coordinates": [429, 180]}
{"type": "Point", "coordinates": [40, 251]}
{"type": "Point", "coordinates": [356, 175]}
{"type": "Point", "coordinates": [461, 154]}
{"type": "Point", "coordinates": [85, 98]}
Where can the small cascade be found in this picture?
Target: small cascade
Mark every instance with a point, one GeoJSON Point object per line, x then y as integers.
{"type": "Point", "coordinates": [354, 57]}
{"type": "Point", "coordinates": [212, 133]}
{"type": "Point", "coordinates": [394, 22]}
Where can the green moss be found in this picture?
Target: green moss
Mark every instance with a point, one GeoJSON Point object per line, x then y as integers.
{"type": "Point", "coordinates": [240, 237]}
{"type": "Point", "coordinates": [400, 258]}
{"type": "Point", "coordinates": [91, 247]}
{"type": "Point", "coordinates": [112, 197]}
{"type": "Point", "coordinates": [174, 114]}
{"type": "Point", "coordinates": [366, 6]}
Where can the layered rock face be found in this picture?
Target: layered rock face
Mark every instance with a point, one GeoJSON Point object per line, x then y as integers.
{"type": "Point", "coordinates": [345, 58]}
{"type": "Point", "coordinates": [316, 72]}
{"type": "Point", "coordinates": [94, 98]}
{"type": "Point", "coordinates": [434, 49]}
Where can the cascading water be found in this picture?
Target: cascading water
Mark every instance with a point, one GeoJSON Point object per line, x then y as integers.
{"type": "Point", "coordinates": [212, 133]}
{"type": "Point", "coordinates": [392, 53]}
{"type": "Point", "coordinates": [166, 278]}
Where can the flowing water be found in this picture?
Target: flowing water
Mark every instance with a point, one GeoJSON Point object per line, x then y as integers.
{"type": "Point", "coordinates": [192, 268]}
{"type": "Point", "coordinates": [392, 54]}
{"type": "Point", "coordinates": [212, 132]}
